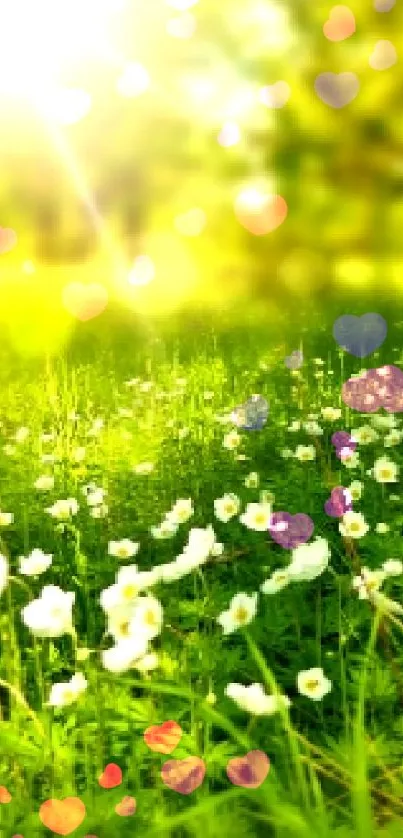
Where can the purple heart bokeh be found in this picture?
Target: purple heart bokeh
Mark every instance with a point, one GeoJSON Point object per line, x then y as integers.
{"type": "Point", "coordinates": [289, 531]}
{"type": "Point", "coordinates": [360, 335]}
{"type": "Point", "coordinates": [339, 503]}
{"type": "Point", "coordinates": [375, 388]}
{"type": "Point", "coordinates": [344, 444]}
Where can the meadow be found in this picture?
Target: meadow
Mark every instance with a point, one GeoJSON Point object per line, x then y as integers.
{"type": "Point", "coordinates": [135, 432]}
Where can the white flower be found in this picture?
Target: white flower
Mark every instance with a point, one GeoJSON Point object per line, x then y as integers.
{"type": "Point", "coordinates": [295, 426]}
{"type": "Point", "coordinates": [123, 549]}
{"type": "Point", "coordinates": [350, 459]}
{"type": "Point", "coordinates": [257, 516]}
{"type": "Point", "coordinates": [364, 435]}
{"type": "Point", "coordinates": [99, 511]}
{"type": "Point", "coordinates": [304, 453]}
{"type": "Point", "coordinates": [242, 610]}
{"type": "Point", "coordinates": [313, 429]}
{"type": "Point", "coordinates": [232, 440]}
{"type": "Point", "coordinates": [172, 571]}
{"type": "Point", "coordinates": [51, 614]}
{"type": "Point", "coordinates": [147, 663]}
{"type": "Point", "coordinates": [181, 511]}
{"type": "Point", "coordinates": [147, 617]}
{"type": "Point", "coordinates": [62, 510]}
{"type": "Point", "coordinates": [201, 542]}
{"type": "Point", "coordinates": [34, 564]}
{"type": "Point", "coordinates": [226, 507]}
{"type": "Point", "coordinates": [309, 560]}
{"type": "Point", "coordinates": [277, 581]}
{"type": "Point", "coordinates": [165, 530]}
{"type": "Point", "coordinates": [353, 525]}
{"type": "Point", "coordinates": [6, 518]}
{"type": "Point", "coordinates": [96, 496]}
{"type": "Point", "coordinates": [143, 468]}
{"type": "Point", "coordinates": [368, 582]}
{"type": "Point", "coordinates": [125, 653]}
{"type": "Point", "coordinates": [254, 700]}
{"type": "Point", "coordinates": [252, 480]}
{"type": "Point", "coordinates": [382, 528]}
{"type": "Point", "coordinates": [44, 482]}
{"type": "Point", "coordinates": [392, 567]}
{"type": "Point", "coordinates": [331, 414]}
{"type": "Point", "coordinates": [64, 693]}
{"type": "Point", "coordinates": [313, 683]}
{"type": "Point", "coordinates": [355, 489]}
{"type": "Point", "coordinates": [3, 573]}
{"type": "Point", "coordinates": [385, 471]}
{"type": "Point", "coordinates": [392, 438]}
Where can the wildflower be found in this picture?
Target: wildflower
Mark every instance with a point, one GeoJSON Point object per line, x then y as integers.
{"type": "Point", "coordinates": [295, 426]}
{"type": "Point", "coordinates": [34, 564]}
{"type": "Point", "coordinates": [385, 471]}
{"type": "Point", "coordinates": [254, 700]}
{"type": "Point", "coordinates": [305, 453]}
{"type": "Point", "coordinates": [200, 543]}
{"type": "Point", "coordinates": [383, 422]}
{"type": "Point", "coordinates": [350, 458]}
{"type": "Point", "coordinates": [95, 497]}
{"type": "Point", "coordinates": [62, 510]}
{"type": "Point", "coordinates": [123, 549]}
{"type": "Point", "coordinates": [382, 528]}
{"type": "Point", "coordinates": [45, 482]}
{"type": "Point", "coordinates": [277, 581]}
{"type": "Point", "coordinates": [147, 617]}
{"type": "Point", "coordinates": [125, 653]}
{"type": "Point", "coordinates": [147, 663]}
{"type": "Point", "coordinates": [99, 511]}
{"type": "Point", "coordinates": [309, 560]}
{"type": "Point", "coordinates": [143, 468]}
{"type": "Point", "coordinates": [252, 480]}
{"type": "Point", "coordinates": [242, 610]}
{"type": "Point", "coordinates": [392, 438]}
{"type": "Point", "coordinates": [226, 507]}
{"type": "Point", "coordinates": [62, 694]}
{"type": "Point", "coordinates": [51, 614]}
{"type": "Point", "coordinates": [364, 435]}
{"type": "Point", "coordinates": [6, 518]}
{"type": "Point", "coordinates": [368, 582]}
{"type": "Point", "coordinates": [165, 530]}
{"type": "Point", "coordinates": [353, 525]}
{"type": "Point", "coordinates": [392, 567]}
{"type": "Point", "coordinates": [232, 440]}
{"type": "Point", "coordinates": [331, 414]}
{"type": "Point", "coordinates": [257, 516]}
{"type": "Point", "coordinates": [355, 489]}
{"type": "Point", "coordinates": [313, 429]}
{"type": "Point", "coordinates": [313, 683]}
{"type": "Point", "coordinates": [181, 511]}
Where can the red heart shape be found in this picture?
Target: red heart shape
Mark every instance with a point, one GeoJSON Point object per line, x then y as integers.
{"type": "Point", "coordinates": [8, 239]}
{"type": "Point", "coordinates": [249, 771]}
{"type": "Point", "coordinates": [340, 25]}
{"type": "Point", "coordinates": [163, 738]}
{"type": "Point", "coordinates": [62, 816]}
{"type": "Point", "coordinates": [126, 807]}
{"type": "Point", "coordinates": [111, 776]}
{"type": "Point", "coordinates": [260, 214]}
{"type": "Point", "coordinates": [183, 775]}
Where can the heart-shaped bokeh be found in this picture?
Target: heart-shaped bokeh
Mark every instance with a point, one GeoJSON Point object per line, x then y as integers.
{"type": "Point", "coordinates": [126, 807]}
{"type": "Point", "coordinates": [111, 776]}
{"type": "Point", "coordinates": [62, 816]}
{"type": "Point", "coordinates": [163, 738]}
{"type": "Point", "coordinates": [375, 388]}
{"type": "Point", "coordinates": [344, 444]}
{"type": "Point", "coordinates": [337, 89]}
{"type": "Point", "coordinates": [340, 25]}
{"type": "Point", "coordinates": [383, 56]}
{"type": "Point", "coordinates": [295, 360]}
{"type": "Point", "coordinates": [5, 796]}
{"type": "Point", "coordinates": [360, 335]}
{"type": "Point", "coordinates": [84, 301]}
{"type": "Point", "coordinates": [289, 531]}
{"type": "Point", "coordinates": [252, 415]}
{"type": "Point", "coordinates": [183, 775]}
{"type": "Point", "coordinates": [339, 503]}
{"type": "Point", "coordinates": [249, 771]}
{"type": "Point", "coordinates": [384, 5]}
{"type": "Point", "coordinates": [275, 95]}
{"type": "Point", "coordinates": [8, 239]}
{"type": "Point", "coordinates": [260, 213]}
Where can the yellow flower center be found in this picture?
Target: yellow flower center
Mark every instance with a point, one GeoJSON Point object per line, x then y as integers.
{"type": "Point", "coordinates": [129, 591]}
{"type": "Point", "coordinates": [312, 685]}
{"type": "Point", "coordinates": [150, 618]}
{"type": "Point", "coordinates": [241, 615]}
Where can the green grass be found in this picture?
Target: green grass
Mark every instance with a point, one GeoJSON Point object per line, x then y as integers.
{"type": "Point", "coordinates": [335, 764]}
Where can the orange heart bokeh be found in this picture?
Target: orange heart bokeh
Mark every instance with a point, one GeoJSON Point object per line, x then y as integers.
{"type": "Point", "coordinates": [126, 807]}
{"type": "Point", "coordinates": [183, 775]}
{"type": "Point", "coordinates": [111, 776]}
{"type": "Point", "coordinates": [260, 214]}
{"type": "Point", "coordinates": [163, 738]}
{"type": "Point", "coordinates": [5, 796]}
{"type": "Point", "coordinates": [249, 771]}
{"type": "Point", "coordinates": [340, 25]}
{"type": "Point", "coordinates": [8, 239]}
{"type": "Point", "coordinates": [62, 816]}
{"type": "Point", "coordinates": [85, 301]}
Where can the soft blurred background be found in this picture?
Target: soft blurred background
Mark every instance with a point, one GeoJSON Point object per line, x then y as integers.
{"type": "Point", "coordinates": [129, 129]}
